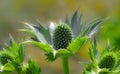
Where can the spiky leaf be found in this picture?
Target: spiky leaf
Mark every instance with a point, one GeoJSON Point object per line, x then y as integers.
{"type": "Point", "coordinates": [91, 54]}
{"type": "Point", "coordinates": [36, 33]}
{"type": "Point", "coordinates": [76, 44]}
{"type": "Point", "coordinates": [44, 47]}
{"type": "Point", "coordinates": [13, 46]}
{"type": "Point", "coordinates": [21, 52]}
{"type": "Point", "coordinates": [8, 68]}
{"type": "Point", "coordinates": [33, 68]}
{"type": "Point", "coordinates": [92, 27]}
{"type": "Point", "coordinates": [44, 31]}
{"type": "Point", "coordinates": [93, 51]}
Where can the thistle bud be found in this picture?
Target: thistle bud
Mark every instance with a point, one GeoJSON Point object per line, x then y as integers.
{"type": "Point", "coordinates": [62, 36]}
{"type": "Point", "coordinates": [5, 58]}
{"type": "Point", "coordinates": [108, 61]}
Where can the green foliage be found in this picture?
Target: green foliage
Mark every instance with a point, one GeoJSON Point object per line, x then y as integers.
{"type": "Point", "coordinates": [88, 68]}
{"type": "Point", "coordinates": [8, 68]}
{"type": "Point", "coordinates": [32, 68]}
{"type": "Point", "coordinates": [112, 26]}
{"type": "Point", "coordinates": [18, 53]}
{"type": "Point", "coordinates": [91, 54]}
{"type": "Point", "coordinates": [86, 72]}
{"type": "Point", "coordinates": [21, 52]}
{"type": "Point", "coordinates": [12, 59]}
{"type": "Point", "coordinates": [44, 47]}
{"type": "Point", "coordinates": [62, 36]}
{"type": "Point", "coordinates": [12, 47]}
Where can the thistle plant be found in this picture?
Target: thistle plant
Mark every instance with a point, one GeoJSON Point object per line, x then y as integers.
{"type": "Point", "coordinates": [106, 62]}
{"type": "Point", "coordinates": [62, 40]}
{"type": "Point", "coordinates": [12, 60]}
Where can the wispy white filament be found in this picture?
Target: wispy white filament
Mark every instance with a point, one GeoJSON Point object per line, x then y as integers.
{"type": "Point", "coordinates": [52, 27]}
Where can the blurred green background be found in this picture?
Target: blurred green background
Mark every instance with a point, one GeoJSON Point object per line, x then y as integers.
{"type": "Point", "coordinates": [14, 12]}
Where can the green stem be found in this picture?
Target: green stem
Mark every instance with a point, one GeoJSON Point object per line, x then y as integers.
{"type": "Point", "coordinates": [65, 65]}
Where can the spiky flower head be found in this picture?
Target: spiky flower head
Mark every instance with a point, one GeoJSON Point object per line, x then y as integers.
{"type": "Point", "coordinates": [5, 57]}
{"type": "Point", "coordinates": [62, 36]}
{"type": "Point", "coordinates": [104, 71]}
{"type": "Point", "coordinates": [108, 61]}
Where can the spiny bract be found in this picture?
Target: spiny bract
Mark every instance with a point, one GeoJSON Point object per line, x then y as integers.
{"type": "Point", "coordinates": [5, 58]}
{"type": "Point", "coordinates": [104, 71]}
{"type": "Point", "coordinates": [108, 61]}
{"type": "Point", "coordinates": [62, 36]}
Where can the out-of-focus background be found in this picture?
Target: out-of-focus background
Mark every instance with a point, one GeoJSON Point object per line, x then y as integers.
{"type": "Point", "coordinates": [14, 12]}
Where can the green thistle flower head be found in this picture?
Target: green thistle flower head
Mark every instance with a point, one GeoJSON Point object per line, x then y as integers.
{"type": "Point", "coordinates": [62, 36]}
{"type": "Point", "coordinates": [5, 57]}
{"type": "Point", "coordinates": [104, 71]}
{"type": "Point", "coordinates": [108, 61]}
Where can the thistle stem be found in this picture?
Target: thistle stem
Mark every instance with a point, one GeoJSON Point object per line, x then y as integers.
{"type": "Point", "coordinates": [65, 64]}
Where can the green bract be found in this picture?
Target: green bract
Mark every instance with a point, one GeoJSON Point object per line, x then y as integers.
{"type": "Point", "coordinates": [108, 61]}
{"type": "Point", "coordinates": [104, 71]}
{"type": "Point", "coordinates": [32, 68]}
{"type": "Point", "coordinates": [62, 36]}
